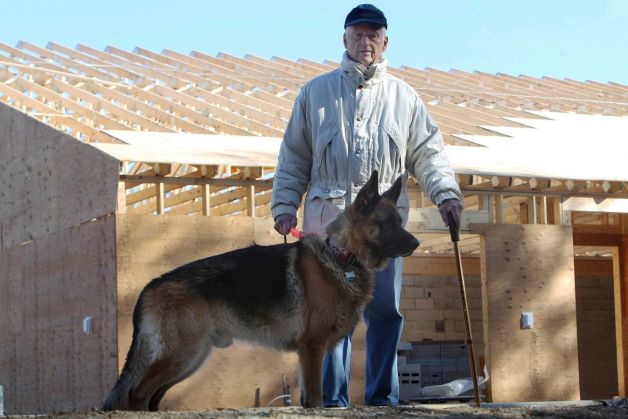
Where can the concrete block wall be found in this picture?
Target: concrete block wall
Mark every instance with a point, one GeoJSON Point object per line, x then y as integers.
{"type": "Point", "coordinates": [432, 309]}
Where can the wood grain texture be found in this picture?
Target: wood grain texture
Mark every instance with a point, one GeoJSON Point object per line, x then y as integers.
{"type": "Point", "coordinates": [47, 363]}
{"type": "Point", "coordinates": [50, 181]}
{"type": "Point", "coordinates": [530, 268]}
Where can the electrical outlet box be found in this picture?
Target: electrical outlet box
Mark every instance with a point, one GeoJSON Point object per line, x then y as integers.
{"type": "Point", "coordinates": [527, 320]}
{"type": "Point", "coordinates": [87, 325]}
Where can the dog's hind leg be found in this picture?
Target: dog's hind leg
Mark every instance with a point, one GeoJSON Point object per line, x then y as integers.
{"type": "Point", "coordinates": [311, 360]}
{"type": "Point", "coordinates": [194, 364]}
{"type": "Point", "coordinates": [184, 343]}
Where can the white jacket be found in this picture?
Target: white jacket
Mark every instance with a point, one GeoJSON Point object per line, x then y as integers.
{"type": "Point", "coordinates": [345, 125]}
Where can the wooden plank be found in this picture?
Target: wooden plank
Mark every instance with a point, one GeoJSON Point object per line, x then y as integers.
{"type": "Point", "coordinates": [197, 181]}
{"type": "Point", "coordinates": [206, 196]}
{"type": "Point", "coordinates": [160, 198]}
{"type": "Point", "coordinates": [499, 209]}
{"type": "Point", "coordinates": [121, 201]}
{"type": "Point", "coordinates": [532, 210]}
{"type": "Point", "coordinates": [250, 201]}
{"type": "Point", "coordinates": [592, 205]}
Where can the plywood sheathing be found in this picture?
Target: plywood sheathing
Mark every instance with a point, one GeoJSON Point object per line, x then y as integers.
{"type": "Point", "coordinates": [47, 287]}
{"type": "Point", "coordinates": [49, 181]}
{"type": "Point", "coordinates": [529, 268]}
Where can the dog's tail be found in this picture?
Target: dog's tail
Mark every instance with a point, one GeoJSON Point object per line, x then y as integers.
{"type": "Point", "coordinates": [134, 367]}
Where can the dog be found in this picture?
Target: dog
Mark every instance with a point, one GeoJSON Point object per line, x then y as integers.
{"type": "Point", "coordinates": [303, 296]}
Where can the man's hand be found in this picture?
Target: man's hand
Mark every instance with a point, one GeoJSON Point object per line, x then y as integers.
{"type": "Point", "coordinates": [284, 222]}
{"type": "Point", "coordinates": [451, 206]}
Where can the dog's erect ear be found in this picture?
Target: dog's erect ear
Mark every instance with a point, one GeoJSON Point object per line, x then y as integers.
{"type": "Point", "coordinates": [394, 191]}
{"type": "Point", "coordinates": [368, 197]}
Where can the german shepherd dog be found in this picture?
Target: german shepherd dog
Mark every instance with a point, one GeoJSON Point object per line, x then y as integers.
{"type": "Point", "coordinates": [303, 296]}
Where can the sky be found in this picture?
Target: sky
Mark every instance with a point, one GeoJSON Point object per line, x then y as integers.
{"type": "Point", "coordinates": [578, 39]}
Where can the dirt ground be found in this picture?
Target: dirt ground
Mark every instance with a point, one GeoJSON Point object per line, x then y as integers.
{"type": "Point", "coordinates": [603, 409]}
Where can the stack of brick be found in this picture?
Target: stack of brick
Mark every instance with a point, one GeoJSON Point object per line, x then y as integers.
{"type": "Point", "coordinates": [429, 363]}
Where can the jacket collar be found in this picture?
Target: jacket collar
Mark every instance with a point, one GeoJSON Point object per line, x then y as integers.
{"type": "Point", "coordinates": [362, 74]}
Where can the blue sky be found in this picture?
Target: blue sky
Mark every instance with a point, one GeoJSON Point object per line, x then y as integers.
{"type": "Point", "coordinates": [575, 39]}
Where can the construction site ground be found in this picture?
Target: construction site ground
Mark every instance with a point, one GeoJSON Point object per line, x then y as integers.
{"type": "Point", "coordinates": [582, 409]}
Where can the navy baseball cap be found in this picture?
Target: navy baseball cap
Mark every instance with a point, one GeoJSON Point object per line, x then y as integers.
{"type": "Point", "coordinates": [366, 13]}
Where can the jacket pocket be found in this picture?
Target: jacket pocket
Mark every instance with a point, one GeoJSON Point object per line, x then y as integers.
{"type": "Point", "coordinates": [324, 158]}
{"type": "Point", "coordinates": [391, 153]}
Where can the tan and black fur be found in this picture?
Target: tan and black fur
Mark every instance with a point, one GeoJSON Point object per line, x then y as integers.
{"type": "Point", "coordinates": [294, 297]}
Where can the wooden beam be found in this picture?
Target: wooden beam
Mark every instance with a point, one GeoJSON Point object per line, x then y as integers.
{"type": "Point", "coordinates": [597, 235]}
{"type": "Point", "coordinates": [206, 194]}
{"type": "Point", "coordinates": [499, 209]}
{"type": "Point", "coordinates": [250, 201]}
{"type": "Point", "coordinates": [161, 198]}
{"type": "Point", "coordinates": [543, 209]}
{"type": "Point", "coordinates": [121, 202]}
{"type": "Point", "coordinates": [532, 210]}
{"type": "Point", "coordinates": [196, 181]}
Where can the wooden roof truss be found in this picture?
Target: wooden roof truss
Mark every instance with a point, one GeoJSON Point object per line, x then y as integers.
{"type": "Point", "coordinates": [83, 91]}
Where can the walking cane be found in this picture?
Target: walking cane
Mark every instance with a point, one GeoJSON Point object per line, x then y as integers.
{"type": "Point", "coordinates": [453, 231]}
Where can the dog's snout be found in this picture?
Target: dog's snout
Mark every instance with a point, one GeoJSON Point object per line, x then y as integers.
{"type": "Point", "coordinates": [414, 243]}
{"type": "Point", "coordinates": [410, 245]}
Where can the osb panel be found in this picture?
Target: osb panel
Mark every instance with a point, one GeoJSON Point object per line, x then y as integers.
{"type": "Point", "coordinates": [148, 246]}
{"type": "Point", "coordinates": [50, 181]}
{"type": "Point", "coordinates": [48, 286]}
{"type": "Point", "coordinates": [530, 268]}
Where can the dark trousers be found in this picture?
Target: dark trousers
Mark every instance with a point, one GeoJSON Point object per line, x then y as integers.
{"type": "Point", "coordinates": [383, 330]}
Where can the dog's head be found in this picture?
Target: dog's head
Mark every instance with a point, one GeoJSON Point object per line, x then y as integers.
{"type": "Point", "coordinates": [371, 228]}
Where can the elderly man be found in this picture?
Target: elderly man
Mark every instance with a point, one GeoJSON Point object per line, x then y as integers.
{"type": "Point", "coordinates": [344, 125]}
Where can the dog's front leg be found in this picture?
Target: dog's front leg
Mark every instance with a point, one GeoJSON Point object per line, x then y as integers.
{"type": "Point", "coordinates": [311, 360]}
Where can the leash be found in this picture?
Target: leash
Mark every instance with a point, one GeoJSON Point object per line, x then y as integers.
{"type": "Point", "coordinates": [294, 233]}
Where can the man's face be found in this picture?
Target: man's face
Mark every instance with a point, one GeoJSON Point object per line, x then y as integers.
{"type": "Point", "coordinates": [365, 43]}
